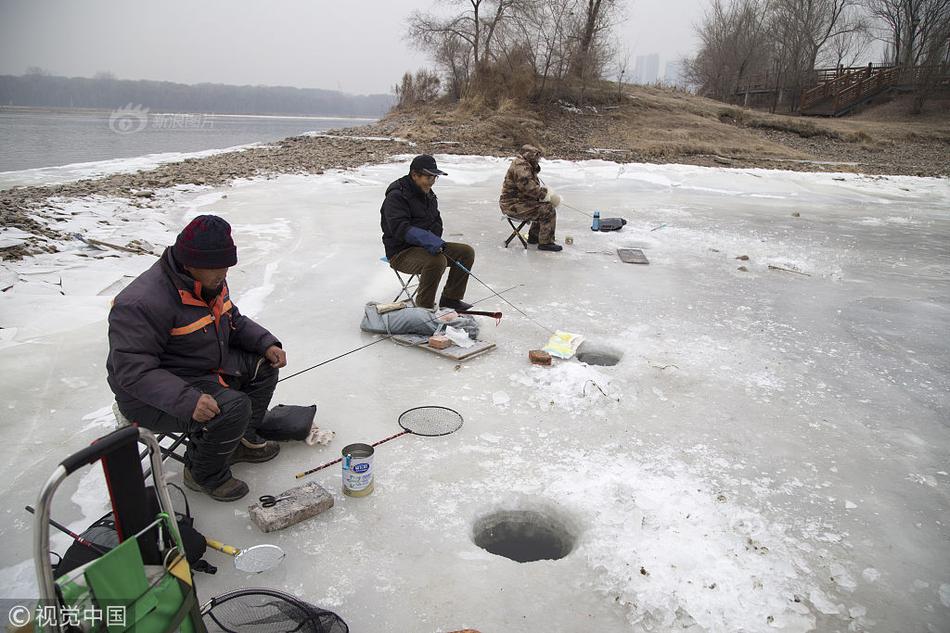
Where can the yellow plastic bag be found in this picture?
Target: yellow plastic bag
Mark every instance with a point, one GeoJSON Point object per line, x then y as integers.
{"type": "Point", "coordinates": [563, 344]}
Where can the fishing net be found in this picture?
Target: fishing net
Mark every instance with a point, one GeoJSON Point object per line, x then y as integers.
{"type": "Point", "coordinates": [268, 611]}
{"type": "Point", "coordinates": [431, 421]}
{"type": "Point", "coordinates": [259, 558]}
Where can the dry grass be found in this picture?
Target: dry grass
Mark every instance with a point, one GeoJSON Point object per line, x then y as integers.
{"type": "Point", "coordinates": [665, 125]}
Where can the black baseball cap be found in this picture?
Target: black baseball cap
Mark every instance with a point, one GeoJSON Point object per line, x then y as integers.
{"type": "Point", "coordinates": [426, 164]}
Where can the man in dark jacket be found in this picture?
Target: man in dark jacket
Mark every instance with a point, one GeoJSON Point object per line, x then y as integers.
{"type": "Point", "coordinates": [183, 359]}
{"type": "Point", "coordinates": [412, 236]}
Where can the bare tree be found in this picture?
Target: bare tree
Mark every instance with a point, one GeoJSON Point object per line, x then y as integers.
{"type": "Point", "coordinates": [911, 27]}
{"type": "Point", "coordinates": [734, 46]}
{"type": "Point", "coordinates": [621, 66]}
{"type": "Point", "coordinates": [413, 90]}
{"type": "Point", "coordinates": [847, 47]}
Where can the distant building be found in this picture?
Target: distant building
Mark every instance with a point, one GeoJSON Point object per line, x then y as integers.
{"type": "Point", "coordinates": [675, 74]}
{"type": "Point", "coordinates": [646, 69]}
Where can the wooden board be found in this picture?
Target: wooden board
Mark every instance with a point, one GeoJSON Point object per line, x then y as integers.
{"type": "Point", "coordinates": [454, 352]}
{"type": "Point", "coordinates": [632, 256]}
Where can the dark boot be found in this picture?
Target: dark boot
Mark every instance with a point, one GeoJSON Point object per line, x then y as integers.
{"type": "Point", "coordinates": [254, 453]}
{"type": "Point", "coordinates": [231, 490]}
{"type": "Point", "coordinates": [550, 247]}
{"type": "Point", "coordinates": [454, 304]}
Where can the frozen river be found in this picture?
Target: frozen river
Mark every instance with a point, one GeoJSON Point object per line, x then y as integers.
{"type": "Point", "coordinates": [771, 452]}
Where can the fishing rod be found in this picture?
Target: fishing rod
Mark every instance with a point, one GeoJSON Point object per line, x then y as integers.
{"type": "Point", "coordinates": [65, 530]}
{"type": "Point", "coordinates": [522, 312]}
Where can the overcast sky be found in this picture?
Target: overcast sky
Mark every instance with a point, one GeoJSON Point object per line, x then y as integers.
{"type": "Point", "coordinates": [356, 47]}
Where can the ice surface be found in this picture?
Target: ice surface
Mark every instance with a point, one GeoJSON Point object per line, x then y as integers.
{"type": "Point", "coordinates": [769, 454]}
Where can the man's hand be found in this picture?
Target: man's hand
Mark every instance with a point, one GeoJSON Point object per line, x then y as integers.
{"type": "Point", "coordinates": [206, 408]}
{"type": "Point", "coordinates": [276, 356]}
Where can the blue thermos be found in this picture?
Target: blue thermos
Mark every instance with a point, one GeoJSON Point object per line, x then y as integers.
{"type": "Point", "coordinates": [595, 226]}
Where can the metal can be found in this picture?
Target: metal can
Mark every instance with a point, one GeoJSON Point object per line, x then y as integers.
{"type": "Point", "coordinates": [357, 470]}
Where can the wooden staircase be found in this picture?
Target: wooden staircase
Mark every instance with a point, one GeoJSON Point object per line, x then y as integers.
{"type": "Point", "coordinates": [836, 94]}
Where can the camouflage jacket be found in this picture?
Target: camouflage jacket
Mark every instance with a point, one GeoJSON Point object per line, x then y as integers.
{"type": "Point", "coordinates": [521, 184]}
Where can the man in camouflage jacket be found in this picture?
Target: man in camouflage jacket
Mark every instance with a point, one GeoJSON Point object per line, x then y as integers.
{"type": "Point", "coordinates": [523, 198]}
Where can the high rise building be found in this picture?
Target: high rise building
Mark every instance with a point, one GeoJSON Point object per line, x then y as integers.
{"type": "Point", "coordinates": [646, 68]}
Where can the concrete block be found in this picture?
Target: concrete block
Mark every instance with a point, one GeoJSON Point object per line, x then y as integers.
{"type": "Point", "coordinates": [303, 502]}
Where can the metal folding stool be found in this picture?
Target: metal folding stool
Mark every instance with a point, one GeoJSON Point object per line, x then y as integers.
{"type": "Point", "coordinates": [408, 289]}
{"type": "Point", "coordinates": [516, 231]}
{"type": "Point", "coordinates": [168, 443]}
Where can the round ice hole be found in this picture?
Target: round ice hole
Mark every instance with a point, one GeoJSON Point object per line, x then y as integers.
{"type": "Point", "coordinates": [594, 354]}
{"type": "Point", "coordinates": [524, 535]}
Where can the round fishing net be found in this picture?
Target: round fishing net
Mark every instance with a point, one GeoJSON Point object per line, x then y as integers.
{"type": "Point", "coordinates": [259, 558]}
{"type": "Point", "coordinates": [431, 421]}
{"type": "Point", "coordinates": [268, 611]}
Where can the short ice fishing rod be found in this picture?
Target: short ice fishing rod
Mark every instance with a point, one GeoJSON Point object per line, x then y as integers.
{"type": "Point", "coordinates": [520, 311]}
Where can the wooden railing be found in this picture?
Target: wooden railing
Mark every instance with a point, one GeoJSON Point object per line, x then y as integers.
{"type": "Point", "coordinates": [853, 86]}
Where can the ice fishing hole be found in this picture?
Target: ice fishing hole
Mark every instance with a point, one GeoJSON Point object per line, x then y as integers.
{"type": "Point", "coordinates": [596, 354]}
{"type": "Point", "coordinates": [524, 536]}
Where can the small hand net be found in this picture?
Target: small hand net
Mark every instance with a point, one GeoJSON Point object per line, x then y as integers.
{"type": "Point", "coordinates": [431, 421]}
{"type": "Point", "coordinates": [268, 611]}
{"type": "Point", "coordinates": [259, 558]}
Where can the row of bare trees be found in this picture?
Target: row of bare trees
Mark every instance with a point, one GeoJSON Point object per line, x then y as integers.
{"type": "Point", "coordinates": [498, 49]}
{"type": "Point", "coordinates": [779, 43]}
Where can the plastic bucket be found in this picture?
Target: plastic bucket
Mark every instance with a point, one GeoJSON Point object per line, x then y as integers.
{"type": "Point", "coordinates": [357, 470]}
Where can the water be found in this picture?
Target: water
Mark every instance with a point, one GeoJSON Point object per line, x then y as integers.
{"type": "Point", "coordinates": [32, 139]}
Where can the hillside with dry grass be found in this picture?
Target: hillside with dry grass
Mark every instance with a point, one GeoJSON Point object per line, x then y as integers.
{"type": "Point", "coordinates": [662, 125]}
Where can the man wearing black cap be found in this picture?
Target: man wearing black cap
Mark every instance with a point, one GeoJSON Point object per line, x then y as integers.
{"type": "Point", "coordinates": [183, 359]}
{"type": "Point", "coordinates": [412, 236]}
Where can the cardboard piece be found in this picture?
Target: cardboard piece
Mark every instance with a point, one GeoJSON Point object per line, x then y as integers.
{"type": "Point", "coordinates": [632, 256]}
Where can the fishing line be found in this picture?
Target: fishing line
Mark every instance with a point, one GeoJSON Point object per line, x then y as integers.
{"type": "Point", "coordinates": [522, 312]}
{"type": "Point", "coordinates": [564, 204]}
{"type": "Point", "coordinates": [388, 336]}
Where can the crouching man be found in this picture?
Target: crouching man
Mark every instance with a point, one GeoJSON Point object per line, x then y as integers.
{"type": "Point", "coordinates": [183, 359]}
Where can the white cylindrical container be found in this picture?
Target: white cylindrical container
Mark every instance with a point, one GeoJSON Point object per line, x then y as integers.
{"type": "Point", "coordinates": [357, 470]}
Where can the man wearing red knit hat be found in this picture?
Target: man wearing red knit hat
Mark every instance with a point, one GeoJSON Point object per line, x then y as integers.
{"type": "Point", "coordinates": [183, 359]}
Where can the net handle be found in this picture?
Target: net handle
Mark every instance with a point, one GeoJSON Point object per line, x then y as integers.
{"type": "Point", "coordinates": [392, 437]}
{"type": "Point", "coordinates": [340, 459]}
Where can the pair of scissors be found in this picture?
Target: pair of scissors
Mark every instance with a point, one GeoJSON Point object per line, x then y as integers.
{"type": "Point", "coordinates": [269, 501]}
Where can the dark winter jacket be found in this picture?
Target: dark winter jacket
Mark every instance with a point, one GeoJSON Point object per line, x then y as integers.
{"type": "Point", "coordinates": [405, 205]}
{"type": "Point", "coordinates": [163, 336]}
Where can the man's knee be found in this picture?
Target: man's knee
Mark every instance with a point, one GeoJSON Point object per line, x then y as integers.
{"type": "Point", "coordinates": [235, 407]}
{"type": "Point", "coordinates": [435, 264]}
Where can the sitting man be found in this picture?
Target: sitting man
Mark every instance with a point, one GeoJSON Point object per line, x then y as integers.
{"type": "Point", "coordinates": [523, 198]}
{"type": "Point", "coordinates": [182, 359]}
{"type": "Point", "coordinates": [412, 237]}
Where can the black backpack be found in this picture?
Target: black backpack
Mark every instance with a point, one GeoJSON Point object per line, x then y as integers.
{"type": "Point", "coordinates": [103, 534]}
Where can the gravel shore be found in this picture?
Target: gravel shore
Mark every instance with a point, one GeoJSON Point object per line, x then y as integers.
{"type": "Point", "coordinates": [25, 208]}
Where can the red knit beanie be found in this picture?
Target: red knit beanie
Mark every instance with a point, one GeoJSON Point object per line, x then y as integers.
{"type": "Point", "coordinates": [206, 243]}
